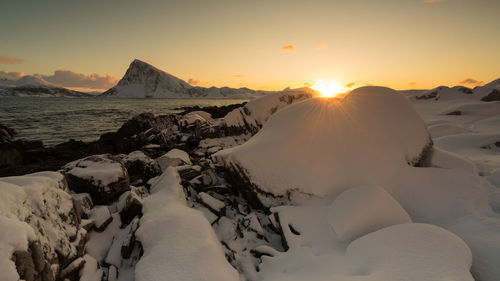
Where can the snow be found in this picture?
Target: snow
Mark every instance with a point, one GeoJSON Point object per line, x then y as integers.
{"type": "Point", "coordinates": [179, 243]}
{"type": "Point", "coordinates": [211, 202]}
{"type": "Point", "coordinates": [174, 157]}
{"type": "Point", "coordinates": [90, 271]}
{"type": "Point", "coordinates": [100, 215]}
{"type": "Point", "coordinates": [323, 146]}
{"type": "Point", "coordinates": [194, 117]}
{"type": "Point", "coordinates": [361, 210]}
{"type": "Point", "coordinates": [256, 112]}
{"type": "Point", "coordinates": [99, 242]}
{"type": "Point", "coordinates": [40, 201]}
{"type": "Point", "coordinates": [97, 168]}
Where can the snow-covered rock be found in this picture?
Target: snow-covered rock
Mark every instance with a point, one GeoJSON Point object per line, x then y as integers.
{"type": "Point", "coordinates": [103, 176]}
{"type": "Point", "coordinates": [179, 243]}
{"type": "Point", "coordinates": [361, 210]}
{"type": "Point", "coordinates": [37, 213]}
{"type": "Point", "coordinates": [174, 157]}
{"type": "Point", "coordinates": [252, 116]}
{"type": "Point", "coordinates": [101, 216]}
{"type": "Point", "coordinates": [195, 117]}
{"type": "Point", "coordinates": [324, 146]}
{"type": "Point", "coordinates": [140, 166]}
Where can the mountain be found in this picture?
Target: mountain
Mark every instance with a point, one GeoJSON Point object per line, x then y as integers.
{"type": "Point", "coordinates": [32, 86]}
{"type": "Point", "coordinates": [143, 80]}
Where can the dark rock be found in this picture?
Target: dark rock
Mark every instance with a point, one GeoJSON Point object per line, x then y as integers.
{"type": "Point", "coordinates": [432, 95]}
{"type": "Point", "coordinates": [130, 204]}
{"type": "Point", "coordinates": [215, 111]}
{"type": "Point", "coordinates": [140, 167]}
{"type": "Point", "coordinates": [83, 204]}
{"type": "Point", "coordinates": [456, 112]}
{"type": "Point", "coordinates": [108, 185]}
{"type": "Point", "coordinates": [493, 96]}
{"type": "Point", "coordinates": [129, 243]}
{"type": "Point", "coordinates": [25, 266]}
{"type": "Point", "coordinates": [189, 174]}
{"type": "Point", "coordinates": [72, 271]}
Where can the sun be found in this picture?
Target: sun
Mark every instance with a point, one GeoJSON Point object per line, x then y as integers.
{"type": "Point", "coordinates": [328, 88]}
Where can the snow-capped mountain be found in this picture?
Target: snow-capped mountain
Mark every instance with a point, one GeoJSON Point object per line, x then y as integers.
{"type": "Point", "coordinates": [143, 80]}
{"type": "Point", "coordinates": [33, 86]}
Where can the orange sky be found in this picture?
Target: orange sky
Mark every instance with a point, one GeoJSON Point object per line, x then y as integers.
{"type": "Point", "coordinates": [258, 44]}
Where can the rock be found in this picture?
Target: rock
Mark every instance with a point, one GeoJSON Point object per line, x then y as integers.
{"type": "Point", "coordinates": [6, 134]}
{"type": "Point", "coordinates": [214, 111]}
{"type": "Point", "coordinates": [174, 157]}
{"type": "Point", "coordinates": [140, 166]}
{"type": "Point", "coordinates": [215, 205]}
{"type": "Point", "coordinates": [104, 177]}
{"type": "Point", "coordinates": [130, 204]}
{"type": "Point", "coordinates": [432, 95]}
{"type": "Point", "coordinates": [187, 173]}
{"type": "Point", "coordinates": [129, 243]}
{"type": "Point", "coordinates": [72, 270]}
{"type": "Point", "coordinates": [83, 204]}
{"type": "Point", "coordinates": [10, 158]}
{"type": "Point", "coordinates": [40, 202]}
{"type": "Point", "coordinates": [493, 96]}
{"type": "Point", "coordinates": [456, 112]}
{"type": "Point", "coordinates": [101, 216]}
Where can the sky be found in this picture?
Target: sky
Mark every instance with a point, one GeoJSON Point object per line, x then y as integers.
{"type": "Point", "coordinates": [268, 45]}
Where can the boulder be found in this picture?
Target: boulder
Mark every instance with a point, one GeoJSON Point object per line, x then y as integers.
{"type": "Point", "coordinates": [101, 216]}
{"type": "Point", "coordinates": [140, 167]}
{"type": "Point", "coordinates": [174, 157]}
{"type": "Point", "coordinates": [104, 177]}
{"type": "Point", "coordinates": [321, 147]}
{"type": "Point", "coordinates": [83, 204]}
{"type": "Point", "coordinates": [130, 204]}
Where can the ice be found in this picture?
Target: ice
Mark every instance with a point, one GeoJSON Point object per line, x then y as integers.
{"type": "Point", "coordinates": [361, 210]}
{"type": "Point", "coordinates": [179, 243]}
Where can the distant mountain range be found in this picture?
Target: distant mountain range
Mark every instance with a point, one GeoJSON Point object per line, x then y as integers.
{"type": "Point", "coordinates": [143, 80]}
{"type": "Point", "coordinates": [31, 86]}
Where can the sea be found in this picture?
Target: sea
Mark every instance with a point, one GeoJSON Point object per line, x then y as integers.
{"type": "Point", "coordinates": [56, 120]}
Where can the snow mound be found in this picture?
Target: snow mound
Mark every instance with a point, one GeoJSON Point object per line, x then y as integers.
{"type": "Point", "coordinates": [252, 116]}
{"type": "Point", "coordinates": [179, 243]}
{"type": "Point", "coordinates": [411, 252]}
{"type": "Point", "coordinates": [194, 117]}
{"type": "Point", "coordinates": [323, 146]}
{"type": "Point", "coordinates": [361, 210]}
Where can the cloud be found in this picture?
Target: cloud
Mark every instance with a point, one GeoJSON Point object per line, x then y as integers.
{"type": "Point", "coordinates": [13, 76]}
{"type": "Point", "coordinates": [308, 84]}
{"type": "Point", "coordinates": [321, 47]}
{"type": "Point", "coordinates": [289, 48]}
{"type": "Point", "coordinates": [239, 75]}
{"type": "Point", "coordinates": [412, 83]}
{"type": "Point", "coordinates": [68, 78]}
{"type": "Point", "coordinates": [194, 82]}
{"type": "Point", "coordinates": [10, 60]}
{"type": "Point", "coordinates": [349, 85]}
{"type": "Point", "coordinates": [433, 1]}
{"type": "Point", "coordinates": [471, 81]}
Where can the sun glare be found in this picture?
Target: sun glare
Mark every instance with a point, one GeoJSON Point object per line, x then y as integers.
{"type": "Point", "coordinates": [328, 88]}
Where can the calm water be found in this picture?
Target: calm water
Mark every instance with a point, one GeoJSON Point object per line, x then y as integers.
{"type": "Point", "coordinates": [56, 120]}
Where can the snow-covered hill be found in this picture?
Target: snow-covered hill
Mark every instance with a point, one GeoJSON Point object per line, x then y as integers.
{"type": "Point", "coordinates": [143, 80]}
{"type": "Point", "coordinates": [33, 86]}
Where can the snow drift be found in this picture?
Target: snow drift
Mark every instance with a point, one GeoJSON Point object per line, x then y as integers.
{"type": "Point", "coordinates": [323, 146]}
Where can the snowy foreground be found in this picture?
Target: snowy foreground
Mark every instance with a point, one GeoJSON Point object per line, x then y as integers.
{"type": "Point", "coordinates": [378, 185]}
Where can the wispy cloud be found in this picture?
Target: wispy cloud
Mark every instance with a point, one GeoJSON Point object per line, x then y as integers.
{"type": "Point", "coordinates": [288, 48]}
{"type": "Point", "coordinates": [321, 47]}
{"type": "Point", "coordinates": [194, 82]}
{"type": "Point", "coordinates": [412, 83]}
{"type": "Point", "coordinates": [12, 76]}
{"type": "Point", "coordinates": [471, 81]}
{"type": "Point", "coordinates": [68, 78]}
{"type": "Point", "coordinates": [349, 85]}
{"type": "Point", "coordinates": [10, 60]}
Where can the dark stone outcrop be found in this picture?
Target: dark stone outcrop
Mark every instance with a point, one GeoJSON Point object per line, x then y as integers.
{"type": "Point", "coordinates": [83, 182]}
{"type": "Point", "coordinates": [493, 96]}
{"type": "Point", "coordinates": [215, 111]}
